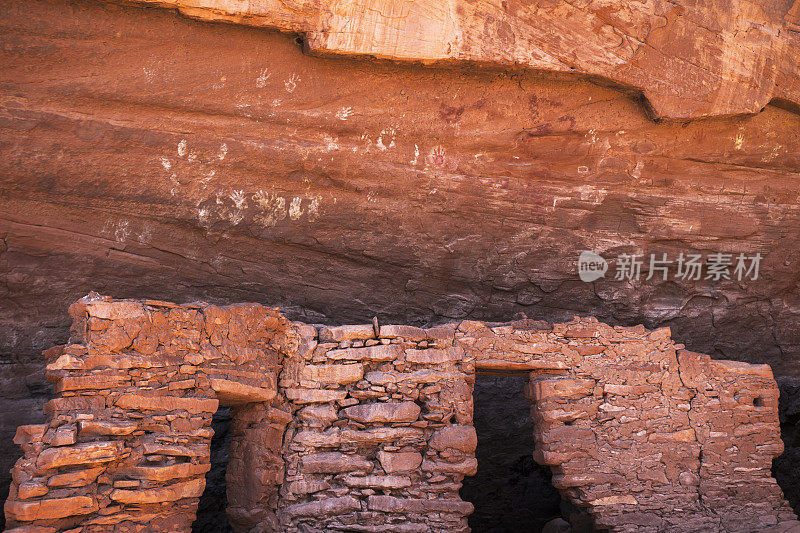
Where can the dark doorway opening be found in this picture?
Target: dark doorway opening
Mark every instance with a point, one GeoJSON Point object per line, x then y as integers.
{"type": "Point", "coordinates": [785, 467]}
{"type": "Point", "coordinates": [211, 515]}
{"type": "Point", "coordinates": [510, 492]}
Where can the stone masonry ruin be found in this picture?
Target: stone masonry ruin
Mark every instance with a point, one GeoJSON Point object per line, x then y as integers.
{"type": "Point", "coordinates": [368, 428]}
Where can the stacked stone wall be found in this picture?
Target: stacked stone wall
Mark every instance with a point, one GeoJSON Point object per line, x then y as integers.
{"type": "Point", "coordinates": [382, 435]}
{"type": "Point", "coordinates": [126, 444]}
{"type": "Point", "coordinates": [734, 412]}
{"type": "Point", "coordinates": [368, 428]}
{"type": "Point", "coordinates": [642, 434]}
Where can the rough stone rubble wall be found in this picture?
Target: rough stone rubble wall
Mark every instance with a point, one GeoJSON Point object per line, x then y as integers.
{"type": "Point", "coordinates": [382, 436]}
{"type": "Point", "coordinates": [370, 428]}
{"type": "Point", "coordinates": [644, 435]}
{"type": "Point", "coordinates": [127, 442]}
{"type": "Point", "coordinates": [734, 412]}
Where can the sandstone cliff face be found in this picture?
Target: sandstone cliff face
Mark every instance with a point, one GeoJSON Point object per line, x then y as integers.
{"type": "Point", "coordinates": [151, 154]}
{"type": "Point", "coordinates": [146, 154]}
{"type": "Point", "coordinates": [689, 61]}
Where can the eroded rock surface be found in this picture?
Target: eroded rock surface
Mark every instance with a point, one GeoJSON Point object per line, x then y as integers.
{"type": "Point", "coordinates": [689, 59]}
{"type": "Point", "coordinates": [225, 165]}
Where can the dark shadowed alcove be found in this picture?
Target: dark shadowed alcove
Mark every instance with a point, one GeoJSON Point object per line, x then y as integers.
{"type": "Point", "coordinates": [785, 467]}
{"type": "Point", "coordinates": [510, 492]}
{"type": "Point", "coordinates": [211, 515]}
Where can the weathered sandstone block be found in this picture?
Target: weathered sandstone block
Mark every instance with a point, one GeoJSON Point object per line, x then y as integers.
{"type": "Point", "coordinates": [417, 376]}
{"type": "Point", "coordinates": [396, 436]}
{"type": "Point", "coordinates": [47, 509]}
{"type": "Point", "coordinates": [31, 489]}
{"type": "Point", "coordinates": [106, 427]}
{"type": "Point", "coordinates": [233, 392]}
{"type": "Point", "coordinates": [30, 433]}
{"type": "Point", "coordinates": [378, 482]}
{"type": "Point", "coordinates": [393, 462]}
{"type": "Point", "coordinates": [318, 439]}
{"type": "Point", "coordinates": [64, 436]}
{"type": "Point", "coordinates": [392, 504]}
{"type": "Point", "coordinates": [89, 382]}
{"type": "Point", "coordinates": [461, 438]}
{"type": "Point", "coordinates": [158, 448]}
{"type": "Point", "coordinates": [167, 403]}
{"type": "Point", "coordinates": [171, 493]}
{"type": "Point", "coordinates": [383, 412]}
{"type": "Point", "coordinates": [561, 388]}
{"type": "Point", "coordinates": [334, 463]}
{"type": "Point", "coordinates": [434, 357]}
{"type": "Point", "coordinates": [341, 374]}
{"type": "Point", "coordinates": [409, 333]}
{"type": "Point", "coordinates": [343, 333]}
{"type": "Point", "coordinates": [80, 454]}
{"type": "Point", "coordinates": [466, 468]}
{"type": "Point", "coordinates": [318, 415]}
{"type": "Point", "coordinates": [304, 396]}
{"type": "Point", "coordinates": [327, 507]}
{"type": "Point", "coordinates": [379, 352]}
{"type": "Point", "coordinates": [169, 472]}
{"type": "Point", "coordinates": [75, 479]}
